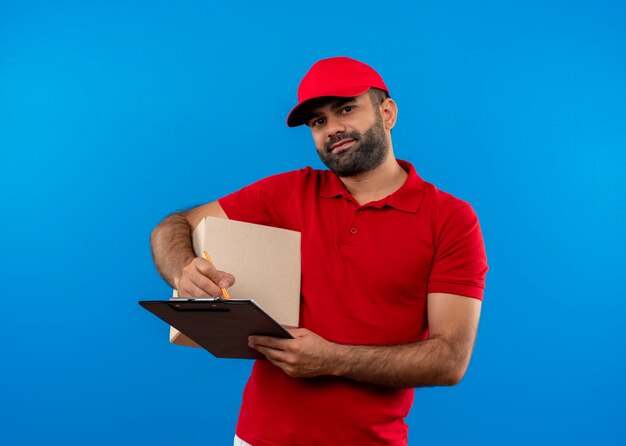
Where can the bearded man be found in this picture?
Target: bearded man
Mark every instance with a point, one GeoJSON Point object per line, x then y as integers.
{"type": "Point", "coordinates": [393, 274]}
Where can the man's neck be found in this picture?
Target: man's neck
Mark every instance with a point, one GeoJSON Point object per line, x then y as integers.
{"type": "Point", "coordinates": [378, 183]}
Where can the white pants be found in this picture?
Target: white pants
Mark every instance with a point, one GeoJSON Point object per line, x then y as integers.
{"type": "Point", "coordinates": [240, 442]}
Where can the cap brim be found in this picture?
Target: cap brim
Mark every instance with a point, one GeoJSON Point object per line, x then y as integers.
{"type": "Point", "coordinates": [298, 114]}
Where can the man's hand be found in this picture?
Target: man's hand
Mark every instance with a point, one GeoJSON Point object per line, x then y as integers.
{"type": "Point", "coordinates": [306, 356]}
{"type": "Point", "coordinates": [200, 279]}
{"type": "Point", "coordinates": [440, 360]}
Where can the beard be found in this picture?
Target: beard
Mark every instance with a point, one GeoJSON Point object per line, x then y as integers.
{"type": "Point", "coordinates": [367, 152]}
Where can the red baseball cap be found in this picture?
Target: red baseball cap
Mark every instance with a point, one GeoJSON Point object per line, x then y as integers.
{"type": "Point", "coordinates": [338, 77]}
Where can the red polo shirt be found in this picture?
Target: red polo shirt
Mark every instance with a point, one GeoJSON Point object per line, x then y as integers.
{"type": "Point", "coordinates": [366, 272]}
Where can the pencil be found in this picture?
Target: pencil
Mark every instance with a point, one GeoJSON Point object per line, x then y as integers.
{"type": "Point", "coordinates": [224, 292]}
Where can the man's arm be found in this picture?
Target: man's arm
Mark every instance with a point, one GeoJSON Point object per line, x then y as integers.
{"type": "Point", "coordinates": [440, 360]}
{"type": "Point", "coordinates": [172, 250]}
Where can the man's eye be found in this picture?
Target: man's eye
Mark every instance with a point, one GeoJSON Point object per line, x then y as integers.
{"type": "Point", "coordinates": [316, 122]}
{"type": "Point", "coordinates": [346, 109]}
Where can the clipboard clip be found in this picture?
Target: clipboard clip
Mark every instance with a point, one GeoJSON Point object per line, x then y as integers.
{"type": "Point", "coordinates": [198, 299]}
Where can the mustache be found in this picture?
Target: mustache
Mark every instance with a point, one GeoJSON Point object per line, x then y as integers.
{"type": "Point", "coordinates": [335, 139]}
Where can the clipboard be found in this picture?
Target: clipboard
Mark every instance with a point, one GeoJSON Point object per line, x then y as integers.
{"type": "Point", "coordinates": [219, 326]}
{"type": "Point", "coordinates": [264, 260]}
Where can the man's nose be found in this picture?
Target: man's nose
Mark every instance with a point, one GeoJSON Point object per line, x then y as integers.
{"type": "Point", "coordinates": [334, 126]}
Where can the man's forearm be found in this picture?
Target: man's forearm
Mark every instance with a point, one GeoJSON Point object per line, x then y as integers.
{"type": "Point", "coordinates": [430, 363]}
{"type": "Point", "coordinates": [172, 247]}
{"type": "Point", "coordinates": [439, 361]}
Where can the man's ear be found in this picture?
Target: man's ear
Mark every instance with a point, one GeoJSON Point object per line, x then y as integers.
{"type": "Point", "coordinates": [389, 112]}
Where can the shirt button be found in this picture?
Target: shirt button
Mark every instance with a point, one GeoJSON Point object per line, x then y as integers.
{"type": "Point", "coordinates": [353, 230]}
{"type": "Point", "coordinates": [359, 212]}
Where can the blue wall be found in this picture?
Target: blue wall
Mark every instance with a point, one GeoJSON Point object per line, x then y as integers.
{"type": "Point", "coordinates": [114, 114]}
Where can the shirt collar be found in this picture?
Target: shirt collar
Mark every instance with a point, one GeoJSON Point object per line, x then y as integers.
{"type": "Point", "coordinates": [407, 198]}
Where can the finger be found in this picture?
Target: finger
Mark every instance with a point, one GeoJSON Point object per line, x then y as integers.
{"type": "Point", "coordinates": [204, 283]}
{"type": "Point", "coordinates": [188, 289]}
{"type": "Point", "coordinates": [276, 356]}
{"type": "Point", "coordinates": [280, 360]}
{"type": "Point", "coordinates": [191, 273]}
{"type": "Point", "coordinates": [221, 278]}
{"type": "Point", "coordinates": [268, 341]}
{"type": "Point", "coordinates": [281, 365]}
{"type": "Point", "coordinates": [227, 280]}
{"type": "Point", "coordinates": [204, 266]}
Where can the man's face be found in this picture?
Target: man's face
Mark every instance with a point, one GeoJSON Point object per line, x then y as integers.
{"type": "Point", "coordinates": [349, 135]}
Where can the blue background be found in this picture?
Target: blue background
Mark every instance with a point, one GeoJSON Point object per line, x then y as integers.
{"type": "Point", "coordinates": [114, 114]}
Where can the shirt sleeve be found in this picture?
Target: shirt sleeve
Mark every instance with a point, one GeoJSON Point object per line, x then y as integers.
{"type": "Point", "coordinates": [265, 202]}
{"type": "Point", "coordinates": [460, 261]}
